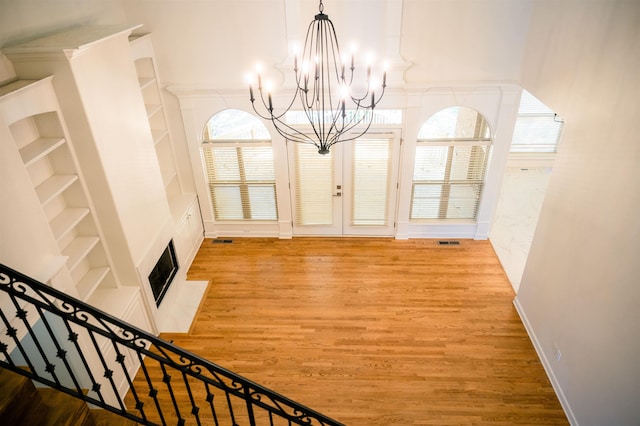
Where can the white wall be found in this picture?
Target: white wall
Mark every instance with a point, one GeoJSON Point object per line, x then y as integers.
{"type": "Point", "coordinates": [580, 292]}
{"type": "Point", "coordinates": [458, 40]}
{"type": "Point", "coordinates": [516, 216]}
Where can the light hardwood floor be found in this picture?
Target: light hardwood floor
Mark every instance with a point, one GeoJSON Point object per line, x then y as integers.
{"type": "Point", "coordinates": [372, 331]}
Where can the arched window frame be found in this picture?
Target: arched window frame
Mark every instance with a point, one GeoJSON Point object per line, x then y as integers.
{"type": "Point", "coordinates": [238, 161]}
{"type": "Point", "coordinates": [450, 167]}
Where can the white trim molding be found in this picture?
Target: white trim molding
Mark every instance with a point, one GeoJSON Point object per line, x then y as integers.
{"type": "Point", "coordinates": [545, 363]}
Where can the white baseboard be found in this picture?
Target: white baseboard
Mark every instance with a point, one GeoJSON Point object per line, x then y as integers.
{"type": "Point", "coordinates": [545, 364]}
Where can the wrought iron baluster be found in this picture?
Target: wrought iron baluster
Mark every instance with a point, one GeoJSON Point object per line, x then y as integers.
{"type": "Point", "coordinates": [247, 398]}
{"type": "Point", "coordinates": [21, 314]}
{"type": "Point", "coordinates": [153, 392]}
{"type": "Point", "coordinates": [73, 338]}
{"type": "Point", "coordinates": [210, 400]}
{"type": "Point", "coordinates": [194, 408]}
{"type": "Point", "coordinates": [61, 353]}
{"type": "Point", "coordinates": [108, 373]}
{"type": "Point", "coordinates": [12, 332]}
{"type": "Point", "coordinates": [120, 359]}
{"type": "Point", "coordinates": [166, 379]}
{"type": "Point", "coordinates": [231, 413]}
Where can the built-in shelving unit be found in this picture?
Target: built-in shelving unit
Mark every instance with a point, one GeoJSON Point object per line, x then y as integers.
{"type": "Point", "coordinates": [92, 195]}
{"type": "Point", "coordinates": [42, 143]}
{"type": "Point", "coordinates": [101, 195]}
{"type": "Point", "coordinates": [142, 55]}
{"type": "Point", "coordinates": [185, 210]}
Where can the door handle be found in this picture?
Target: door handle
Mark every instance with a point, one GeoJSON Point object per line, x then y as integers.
{"type": "Point", "coordinates": [337, 194]}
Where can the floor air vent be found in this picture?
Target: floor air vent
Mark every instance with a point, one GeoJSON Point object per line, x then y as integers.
{"type": "Point", "coordinates": [449, 243]}
{"type": "Point", "coordinates": [222, 241]}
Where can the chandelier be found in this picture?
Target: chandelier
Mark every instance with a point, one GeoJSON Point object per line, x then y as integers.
{"type": "Point", "coordinates": [336, 109]}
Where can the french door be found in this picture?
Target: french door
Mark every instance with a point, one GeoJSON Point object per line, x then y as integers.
{"type": "Point", "coordinates": [350, 191]}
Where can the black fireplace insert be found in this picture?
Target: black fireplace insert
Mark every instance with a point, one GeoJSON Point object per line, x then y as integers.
{"type": "Point", "coordinates": [162, 274]}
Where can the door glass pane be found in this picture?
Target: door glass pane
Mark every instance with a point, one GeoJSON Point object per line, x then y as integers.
{"type": "Point", "coordinates": [314, 186]}
{"type": "Point", "coordinates": [370, 182]}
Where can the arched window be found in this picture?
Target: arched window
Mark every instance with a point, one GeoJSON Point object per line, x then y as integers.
{"type": "Point", "coordinates": [237, 153]}
{"type": "Point", "coordinates": [452, 155]}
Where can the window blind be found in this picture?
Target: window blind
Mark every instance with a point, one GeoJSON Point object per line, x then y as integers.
{"type": "Point", "coordinates": [371, 180]}
{"type": "Point", "coordinates": [448, 180]}
{"type": "Point", "coordinates": [452, 156]}
{"type": "Point", "coordinates": [241, 180]}
{"type": "Point", "coordinates": [537, 128]}
{"type": "Point", "coordinates": [380, 116]}
{"type": "Point", "coordinates": [314, 186]}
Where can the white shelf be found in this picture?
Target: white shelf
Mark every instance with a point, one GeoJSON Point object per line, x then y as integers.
{"type": "Point", "coordinates": [159, 135]}
{"type": "Point", "coordinates": [54, 186]}
{"type": "Point", "coordinates": [146, 82]}
{"type": "Point", "coordinates": [78, 249]}
{"type": "Point", "coordinates": [142, 54]}
{"type": "Point", "coordinates": [153, 109]}
{"type": "Point", "coordinates": [168, 175]}
{"type": "Point", "coordinates": [90, 282]}
{"type": "Point", "coordinates": [39, 148]}
{"type": "Point", "coordinates": [67, 220]}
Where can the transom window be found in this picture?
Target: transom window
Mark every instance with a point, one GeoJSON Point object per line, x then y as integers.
{"type": "Point", "coordinates": [538, 128]}
{"type": "Point", "coordinates": [452, 155]}
{"type": "Point", "coordinates": [238, 157]}
{"type": "Point", "coordinates": [380, 116]}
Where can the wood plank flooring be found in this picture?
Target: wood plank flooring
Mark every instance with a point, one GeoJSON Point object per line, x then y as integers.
{"type": "Point", "coordinates": [372, 331]}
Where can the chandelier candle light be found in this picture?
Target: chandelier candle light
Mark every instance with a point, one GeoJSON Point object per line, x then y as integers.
{"type": "Point", "coordinates": [335, 111]}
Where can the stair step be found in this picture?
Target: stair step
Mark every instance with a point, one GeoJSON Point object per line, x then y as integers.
{"type": "Point", "coordinates": [59, 409]}
{"type": "Point", "coordinates": [21, 403]}
{"type": "Point", "coordinates": [17, 394]}
{"type": "Point", "coordinates": [107, 418]}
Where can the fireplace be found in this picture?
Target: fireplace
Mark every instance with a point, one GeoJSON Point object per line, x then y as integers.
{"type": "Point", "coordinates": [162, 274]}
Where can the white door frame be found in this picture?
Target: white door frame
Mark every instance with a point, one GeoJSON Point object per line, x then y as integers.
{"type": "Point", "coordinates": [342, 189]}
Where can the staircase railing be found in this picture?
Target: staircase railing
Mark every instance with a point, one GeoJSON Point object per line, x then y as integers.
{"type": "Point", "coordinates": [69, 345]}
